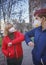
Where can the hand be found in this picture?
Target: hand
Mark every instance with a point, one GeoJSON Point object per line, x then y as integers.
{"type": "Point", "coordinates": [31, 44]}
{"type": "Point", "coordinates": [9, 44]}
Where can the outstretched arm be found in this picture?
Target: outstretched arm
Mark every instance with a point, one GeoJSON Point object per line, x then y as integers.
{"type": "Point", "coordinates": [19, 39]}
{"type": "Point", "coordinates": [28, 35]}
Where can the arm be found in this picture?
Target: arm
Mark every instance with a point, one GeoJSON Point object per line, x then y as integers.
{"type": "Point", "coordinates": [4, 48]}
{"type": "Point", "coordinates": [28, 35]}
{"type": "Point", "coordinates": [19, 39]}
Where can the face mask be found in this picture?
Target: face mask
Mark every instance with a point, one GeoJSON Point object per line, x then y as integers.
{"type": "Point", "coordinates": [12, 30]}
{"type": "Point", "coordinates": [36, 23]}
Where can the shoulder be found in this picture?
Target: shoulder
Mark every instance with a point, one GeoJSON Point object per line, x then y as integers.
{"type": "Point", "coordinates": [4, 39]}
{"type": "Point", "coordinates": [33, 30]}
{"type": "Point", "coordinates": [38, 28]}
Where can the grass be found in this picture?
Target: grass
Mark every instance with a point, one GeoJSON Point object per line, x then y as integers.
{"type": "Point", "coordinates": [0, 41]}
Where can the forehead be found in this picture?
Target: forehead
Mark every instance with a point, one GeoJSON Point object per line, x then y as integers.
{"type": "Point", "coordinates": [37, 17]}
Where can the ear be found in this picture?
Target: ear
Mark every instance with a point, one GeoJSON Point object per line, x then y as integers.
{"type": "Point", "coordinates": [43, 18]}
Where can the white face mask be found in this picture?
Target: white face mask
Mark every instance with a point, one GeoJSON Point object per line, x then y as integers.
{"type": "Point", "coordinates": [36, 23]}
{"type": "Point", "coordinates": [12, 29]}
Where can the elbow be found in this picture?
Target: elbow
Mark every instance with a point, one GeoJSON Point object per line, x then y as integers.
{"type": "Point", "coordinates": [26, 36]}
{"type": "Point", "coordinates": [22, 38]}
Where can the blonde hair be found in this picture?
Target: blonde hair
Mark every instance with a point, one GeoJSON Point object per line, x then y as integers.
{"type": "Point", "coordinates": [7, 27]}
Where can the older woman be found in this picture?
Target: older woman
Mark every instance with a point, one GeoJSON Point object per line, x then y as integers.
{"type": "Point", "coordinates": [11, 45]}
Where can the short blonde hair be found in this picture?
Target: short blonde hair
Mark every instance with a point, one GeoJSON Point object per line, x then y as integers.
{"type": "Point", "coordinates": [7, 27]}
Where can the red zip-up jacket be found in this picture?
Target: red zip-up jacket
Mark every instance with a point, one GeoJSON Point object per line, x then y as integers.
{"type": "Point", "coordinates": [16, 49]}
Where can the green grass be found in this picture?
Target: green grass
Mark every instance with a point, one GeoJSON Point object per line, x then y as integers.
{"type": "Point", "coordinates": [0, 41]}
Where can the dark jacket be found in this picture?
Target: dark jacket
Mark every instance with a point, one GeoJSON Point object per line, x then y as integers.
{"type": "Point", "coordinates": [39, 50]}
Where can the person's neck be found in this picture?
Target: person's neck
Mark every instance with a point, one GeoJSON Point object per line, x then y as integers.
{"type": "Point", "coordinates": [43, 27]}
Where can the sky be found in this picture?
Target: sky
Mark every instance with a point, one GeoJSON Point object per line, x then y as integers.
{"type": "Point", "coordinates": [24, 7]}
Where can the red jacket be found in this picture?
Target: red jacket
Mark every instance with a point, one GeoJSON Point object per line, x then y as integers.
{"type": "Point", "coordinates": [16, 49]}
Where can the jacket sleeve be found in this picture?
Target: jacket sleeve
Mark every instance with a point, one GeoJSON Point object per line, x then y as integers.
{"type": "Point", "coordinates": [28, 35]}
{"type": "Point", "coordinates": [19, 39]}
{"type": "Point", "coordinates": [4, 48]}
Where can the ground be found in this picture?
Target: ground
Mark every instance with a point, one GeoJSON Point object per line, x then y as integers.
{"type": "Point", "coordinates": [27, 59]}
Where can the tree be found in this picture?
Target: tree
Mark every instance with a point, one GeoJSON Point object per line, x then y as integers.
{"type": "Point", "coordinates": [35, 5]}
{"type": "Point", "coordinates": [9, 6]}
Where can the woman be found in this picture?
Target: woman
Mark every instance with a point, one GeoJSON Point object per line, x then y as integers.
{"type": "Point", "coordinates": [39, 34]}
{"type": "Point", "coordinates": [11, 45]}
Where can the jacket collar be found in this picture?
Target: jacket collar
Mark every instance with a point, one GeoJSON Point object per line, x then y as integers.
{"type": "Point", "coordinates": [42, 30]}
